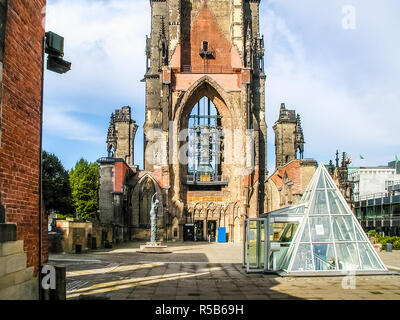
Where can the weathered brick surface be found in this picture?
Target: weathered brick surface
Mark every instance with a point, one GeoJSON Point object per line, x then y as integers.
{"type": "Point", "coordinates": [288, 183]}
{"type": "Point", "coordinates": [20, 148]}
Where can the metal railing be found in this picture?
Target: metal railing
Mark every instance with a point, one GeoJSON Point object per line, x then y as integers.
{"type": "Point", "coordinates": [372, 196]}
{"type": "Point", "coordinates": [206, 69]}
{"type": "Point", "coordinates": [198, 178]}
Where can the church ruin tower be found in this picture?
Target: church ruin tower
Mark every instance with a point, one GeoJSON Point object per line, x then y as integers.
{"type": "Point", "coordinates": [205, 130]}
{"type": "Point", "coordinates": [121, 135]}
{"type": "Point", "coordinates": [289, 138]}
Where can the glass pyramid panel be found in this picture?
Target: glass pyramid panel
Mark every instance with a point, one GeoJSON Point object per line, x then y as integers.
{"type": "Point", "coordinates": [300, 209]}
{"type": "Point", "coordinates": [324, 256]}
{"type": "Point", "coordinates": [320, 229]}
{"type": "Point", "coordinates": [296, 210]}
{"type": "Point", "coordinates": [321, 182]}
{"type": "Point", "coordinates": [347, 256]}
{"type": "Point", "coordinates": [343, 229]}
{"type": "Point", "coordinates": [319, 204]}
{"type": "Point", "coordinates": [337, 241]}
{"type": "Point", "coordinates": [359, 233]}
{"type": "Point", "coordinates": [336, 206]}
{"type": "Point", "coordinates": [287, 259]}
{"type": "Point", "coordinates": [369, 260]}
{"type": "Point", "coordinates": [306, 234]}
{"type": "Point", "coordinates": [330, 184]}
{"type": "Point", "coordinates": [303, 260]}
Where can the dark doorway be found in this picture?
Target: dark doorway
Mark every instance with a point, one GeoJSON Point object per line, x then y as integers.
{"type": "Point", "coordinates": [198, 230]}
{"type": "Point", "coordinates": [188, 234]}
{"type": "Point", "coordinates": [211, 230]}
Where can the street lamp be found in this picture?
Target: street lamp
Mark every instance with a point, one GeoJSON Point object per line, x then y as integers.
{"type": "Point", "coordinates": [53, 46]}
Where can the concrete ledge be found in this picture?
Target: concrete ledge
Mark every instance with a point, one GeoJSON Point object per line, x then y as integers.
{"type": "Point", "coordinates": [15, 278]}
{"type": "Point", "coordinates": [12, 263]}
{"type": "Point", "coordinates": [28, 290]}
{"type": "Point", "coordinates": [337, 273]}
{"type": "Point", "coordinates": [8, 232]}
{"type": "Point", "coordinates": [153, 248]}
{"type": "Point", "coordinates": [393, 268]}
{"type": "Point", "coordinates": [11, 247]}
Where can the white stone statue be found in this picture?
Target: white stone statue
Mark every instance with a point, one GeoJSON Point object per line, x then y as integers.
{"type": "Point", "coordinates": [153, 218]}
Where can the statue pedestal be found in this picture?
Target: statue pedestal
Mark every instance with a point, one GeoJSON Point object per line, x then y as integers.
{"type": "Point", "coordinates": [153, 247]}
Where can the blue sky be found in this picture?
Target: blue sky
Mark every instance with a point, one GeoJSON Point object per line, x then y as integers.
{"type": "Point", "coordinates": [343, 82]}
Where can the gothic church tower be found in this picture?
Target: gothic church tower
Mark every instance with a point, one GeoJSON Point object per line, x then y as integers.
{"type": "Point", "coordinates": [289, 138]}
{"type": "Point", "coordinates": [121, 135]}
{"type": "Point", "coordinates": [205, 131]}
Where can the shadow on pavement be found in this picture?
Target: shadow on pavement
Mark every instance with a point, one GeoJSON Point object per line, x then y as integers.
{"type": "Point", "coordinates": [122, 273]}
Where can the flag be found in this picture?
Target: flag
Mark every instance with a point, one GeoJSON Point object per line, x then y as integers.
{"type": "Point", "coordinates": [361, 157]}
{"type": "Point", "coordinates": [397, 160]}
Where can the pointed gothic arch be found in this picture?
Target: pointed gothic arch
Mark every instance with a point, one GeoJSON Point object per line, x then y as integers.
{"type": "Point", "coordinates": [142, 194]}
{"type": "Point", "coordinates": [203, 87]}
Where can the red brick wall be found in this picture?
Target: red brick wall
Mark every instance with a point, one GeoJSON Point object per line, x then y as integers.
{"type": "Point", "coordinates": [19, 151]}
{"type": "Point", "coordinates": [121, 169]}
{"type": "Point", "coordinates": [206, 28]}
{"type": "Point", "coordinates": [293, 170]}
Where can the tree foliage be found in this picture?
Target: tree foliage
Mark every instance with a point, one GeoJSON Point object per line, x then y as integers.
{"type": "Point", "coordinates": [56, 188]}
{"type": "Point", "coordinates": [83, 179]}
{"type": "Point", "coordinates": [385, 240]}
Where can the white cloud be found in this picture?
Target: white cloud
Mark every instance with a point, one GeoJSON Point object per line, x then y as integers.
{"type": "Point", "coordinates": [343, 83]}
{"type": "Point", "coordinates": [105, 41]}
{"type": "Point", "coordinates": [58, 122]}
{"type": "Point", "coordinates": [338, 110]}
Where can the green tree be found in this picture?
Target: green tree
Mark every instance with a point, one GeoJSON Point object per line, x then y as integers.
{"type": "Point", "coordinates": [83, 180]}
{"type": "Point", "coordinates": [56, 188]}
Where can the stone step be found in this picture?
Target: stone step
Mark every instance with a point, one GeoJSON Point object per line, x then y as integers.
{"type": "Point", "coordinates": [15, 278]}
{"type": "Point", "coordinates": [28, 290]}
{"type": "Point", "coordinates": [12, 263]}
{"type": "Point", "coordinates": [11, 247]}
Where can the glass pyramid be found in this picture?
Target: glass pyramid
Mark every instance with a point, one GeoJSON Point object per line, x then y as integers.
{"type": "Point", "coordinates": [329, 238]}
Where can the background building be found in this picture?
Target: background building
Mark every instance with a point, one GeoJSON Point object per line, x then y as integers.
{"type": "Point", "coordinates": [289, 138]}
{"type": "Point", "coordinates": [377, 198]}
{"type": "Point", "coordinates": [292, 175]}
{"type": "Point", "coordinates": [21, 34]}
{"type": "Point", "coordinates": [372, 180]}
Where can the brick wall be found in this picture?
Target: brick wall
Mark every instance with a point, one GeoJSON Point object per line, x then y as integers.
{"type": "Point", "coordinates": [19, 151]}
{"type": "Point", "coordinates": [206, 28]}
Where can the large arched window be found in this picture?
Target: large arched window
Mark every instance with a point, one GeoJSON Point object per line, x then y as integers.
{"type": "Point", "coordinates": [205, 132]}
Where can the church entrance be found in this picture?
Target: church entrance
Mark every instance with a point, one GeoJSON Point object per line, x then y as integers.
{"type": "Point", "coordinates": [198, 230]}
{"type": "Point", "coordinates": [205, 230]}
{"type": "Point", "coordinates": [211, 230]}
{"type": "Point", "coordinates": [188, 234]}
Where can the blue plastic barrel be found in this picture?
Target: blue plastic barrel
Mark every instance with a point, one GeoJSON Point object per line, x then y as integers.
{"type": "Point", "coordinates": [221, 234]}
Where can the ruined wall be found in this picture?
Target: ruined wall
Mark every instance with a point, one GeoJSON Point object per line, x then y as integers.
{"type": "Point", "coordinates": [20, 121]}
{"type": "Point", "coordinates": [288, 183]}
{"type": "Point", "coordinates": [106, 189]}
{"type": "Point", "coordinates": [284, 143]}
{"type": "Point", "coordinates": [289, 138]}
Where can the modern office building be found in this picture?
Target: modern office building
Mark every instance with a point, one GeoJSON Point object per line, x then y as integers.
{"type": "Point", "coordinates": [377, 198]}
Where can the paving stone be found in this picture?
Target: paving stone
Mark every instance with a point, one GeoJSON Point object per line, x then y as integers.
{"type": "Point", "coordinates": [179, 278]}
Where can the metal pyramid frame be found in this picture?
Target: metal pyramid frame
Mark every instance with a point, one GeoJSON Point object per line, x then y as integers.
{"type": "Point", "coordinates": [329, 239]}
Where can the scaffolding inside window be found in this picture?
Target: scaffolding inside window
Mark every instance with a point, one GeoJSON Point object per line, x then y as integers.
{"type": "Point", "coordinates": [205, 132]}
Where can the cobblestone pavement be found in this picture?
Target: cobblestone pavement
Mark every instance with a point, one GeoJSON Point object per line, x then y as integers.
{"type": "Point", "coordinates": [200, 271]}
